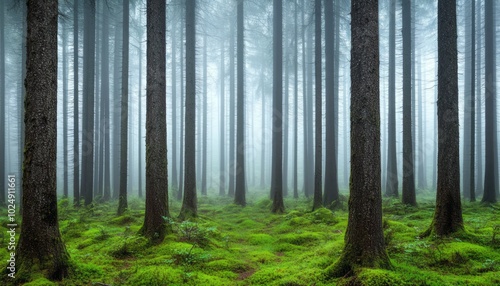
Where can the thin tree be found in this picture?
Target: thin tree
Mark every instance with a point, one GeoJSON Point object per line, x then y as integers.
{"type": "Point", "coordinates": [448, 213]}
{"type": "Point", "coordinates": [479, 125]}
{"type": "Point", "coordinates": [472, 138]}
{"type": "Point", "coordinates": [88, 101]}
{"type": "Point", "coordinates": [490, 176]}
{"type": "Point", "coordinates": [40, 244]}
{"type": "Point", "coordinates": [391, 188]}
{"type": "Point", "coordinates": [154, 226]}
{"type": "Point", "coordinates": [222, 150]}
{"type": "Point", "coordinates": [295, 103]}
{"type": "Point", "coordinates": [364, 238]}
{"type": "Point", "coordinates": [76, 128]}
{"type": "Point", "coordinates": [232, 107]}
{"type": "Point", "coordinates": [318, 188]}
{"type": "Point", "coordinates": [65, 106]}
{"type": "Point", "coordinates": [182, 108]}
{"type": "Point", "coordinates": [467, 126]}
{"type": "Point", "coordinates": [240, 187]}
{"type": "Point", "coordinates": [277, 147]}
{"type": "Point", "coordinates": [139, 126]}
{"type": "Point", "coordinates": [408, 158]}
{"type": "Point", "coordinates": [105, 104]}
{"type": "Point", "coordinates": [118, 52]}
{"type": "Point", "coordinates": [189, 207]}
{"type": "Point", "coordinates": [122, 199]}
{"type": "Point", "coordinates": [331, 178]}
{"type": "Point", "coordinates": [204, 126]}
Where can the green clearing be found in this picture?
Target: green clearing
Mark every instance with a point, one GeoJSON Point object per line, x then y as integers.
{"type": "Point", "coordinates": [231, 245]}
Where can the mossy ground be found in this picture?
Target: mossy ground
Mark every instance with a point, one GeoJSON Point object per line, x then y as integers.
{"type": "Point", "coordinates": [233, 245]}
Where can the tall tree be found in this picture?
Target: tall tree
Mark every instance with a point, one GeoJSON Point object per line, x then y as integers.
{"type": "Point", "coordinates": [391, 188]}
{"type": "Point", "coordinates": [189, 207]}
{"type": "Point", "coordinates": [88, 101]}
{"type": "Point", "coordinates": [408, 169]}
{"type": "Point", "coordinates": [277, 147]}
{"type": "Point", "coordinates": [331, 177]}
{"type": "Point", "coordinates": [105, 104]}
{"type": "Point", "coordinates": [364, 238]}
{"type": "Point", "coordinates": [479, 125]}
{"type": "Point", "coordinates": [156, 125]}
{"type": "Point", "coordinates": [295, 102]}
{"type": "Point", "coordinates": [232, 107]}
{"type": "Point", "coordinates": [318, 170]}
{"type": "Point", "coordinates": [65, 106]}
{"type": "Point", "coordinates": [2, 101]}
{"type": "Point", "coordinates": [204, 127]}
{"type": "Point", "coordinates": [40, 244]}
{"type": "Point", "coordinates": [174, 163]}
{"type": "Point", "coordinates": [472, 184]}
{"type": "Point", "coordinates": [448, 213]}
{"type": "Point", "coordinates": [490, 176]}
{"type": "Point", "coordinates": [240, 187]}
{"type": "Point", "coordinates": [222, 150]}
{"type": "Point", "coordinates": [122, 199]}
{"type": "Point", "coordinates": [76, 128]}
{"type": "Point", "coordinates": [118, 52]}
{"type": "Point", "coordinates": [467, 127]}
{"type": "Point", "coordinates": [139, 131]}
{"type": "Point", "coordinates": [182, 108]}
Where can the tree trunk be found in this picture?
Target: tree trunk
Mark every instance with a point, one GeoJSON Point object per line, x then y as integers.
{"type": "Point", "coordinates": [309, 173]}
{"type": "Point", "coordinates": [204, 127]}
{"type": "Point", "coordinates": [122, 199]}
{"type": "Point", "coordinates": [97, 107]}
{"type": "Point", "coordinates": [466, 171]}
{"type": "Point", "coordinates": [105, 105]}
{"type": "Point", "coordinates": [479, 125]}
{"type": "Point", "coordinates": [182, 107]}
{"type": "Point", "coordinates": [331, 177]}
{"type": "Point", "coordinates": [490, 176]}
{"type": "Point", "coordinates": [240, 187]}
{"type": "Point", "coordinates": [277, 147]}
{"type": "Point", "coordinates": [295, 103]}
{"type": "Point", "coordinates": [40, 244]}
{"type": "Point", "coordinates": [472, 138]}
{"type": "Point", "coordinates": [139, 131]}
{"type": "Point", "coordinates": [174, 163]}
{"type": "Point", "coordinates": [448, 214]}
{"type": "Point", "coordinates": [2, 104]}
{"type": "Point", "coordinates": [232, 107]}
{"type": "Point", "coordinates": [408, 169]}
{"type": "Point", "coordinates": [364, 238]}
{"type": "Point", "coordinates": [304, 102]}
{"type": "Point", "coordinates": [189, 207]}
{"type": "Point", "coordinates": [76, 128]}
{"type": "Point", "coordinates": [88, 101]}
{"type": "Point", "coordinates": [65, 107]}
{"type": "Point", "coordinates": [318, 188]}
{"type": "Point", "coordinates": [222, 146]}
{"type": "Point", "coordinates": [391, 188]}
{"type": "Point", "coordinates": [285, 117]}
{"type": "Point", "coordinates": [118, 53]}
{"type": "Point", "coordinates": [154, 226]}
{"type": "Point", "coordinates": [422, 181]}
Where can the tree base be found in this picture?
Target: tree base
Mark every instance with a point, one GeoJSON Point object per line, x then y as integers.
{"type": "Point", "coordinates": [348, 264]}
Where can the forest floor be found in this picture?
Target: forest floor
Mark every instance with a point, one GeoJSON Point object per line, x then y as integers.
{"type": "Point", "coordinates": [231, 245]}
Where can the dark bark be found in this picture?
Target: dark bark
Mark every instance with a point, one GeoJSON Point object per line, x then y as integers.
{"type": "Point", "coordinates": [448, 214]}
{"type": "Point", "coordinates": [222, 150]}
{"type": "Point", "coordinates": [263, 130]}
{"type": "Point", "coordinates": [304, 102]}
{"type": "Point", "coordinates": [285, 113]}
{"type": "Point", "coordinates": [318, 170]}
{"type": "Point", "coordinates": [364, 238]}
{"type": "Point", "coordinates": [408, 195]}
{"type": "Point", "coordinates": [88, 101]}
{"type": "Point", "coordinates": [97, 106]}
{"type": "Point", "coordinates": [105, 126]}
{"type": "Point", "coordinates": [331, 176]}
{"type": "Point", "coordinates": [76, 128]}
{"type": "Point", "coordinates": [490, 176]}
{"type": "Point", "coordinates": [391, 188]}
{"type": "Point", "coordinates": [422, 181]}
{"type": "Point", "coordinates": [309, 169]}
{"type": "Point", "coordinates": [182, 108]}
{"type": "Point", "coordinates": [40, 244]}
{"type": "Point", "coordinates": [189, 206]}
{"type": "Point", "coordinates": [479, 125]}
{"type": "Point", "coordinates": [2, 103]}
{"type": "Point", "coordinates": [154, 226]}
{"type": "Point", "coordinates": [139, 131]}
{"type": "Point", "coordinates": [122, 199]}
{"type": "Point", "coordinates": [174, 163]}
{"type": "Point", "coordinates": [240, 187]}
{"type": "Point", "coordinates": [277, 143]}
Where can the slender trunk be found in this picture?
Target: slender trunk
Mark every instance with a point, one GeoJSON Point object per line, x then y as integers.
{"type": "Point", "coordinates": [105, 120]}
{"type": "Point", "coordinates": [76, 128]}
{"type": "Point", "coordinates": [304, 102]}
{"type": "Point", "coordinates": [277, 157]}
{"type": "Point", "coordinates": [182, 108]}
{"type": "Point", "coordinates": [139, 131]}
{"type": "Point", "coordinates": [204, 127]}
{"type": "Point", "coordinates": [285, 120]}
{"type": "Point", "coordinates": [189, 205]}
{"type": "Point", "coordinates": [295, 103]}
{"type": "Point", "coordinates": [422, 181]}
{"type": "Point", "coordinates": [408, 168]}
{"type": "Point", "coordinates": [122, 199]}
{"type": "Point", "coordinates": [479, 125]}
{"type": "Point", "coordinates": [309, 113]}
{"type": "Point", "coordinates": [263, 130]}
{"type": "Point", "coordinates": [232, 107]}
{"type": "Point", "coordinates": [88, 101]}
{"type": "Point", "coordinates": [175, 139]}
{"type": "Point", "coordinates": [472, 102]}
{"type": "Point", "coordinates": [466, 171]}
{"type": "Point", "coordinates": [240, 187]}
{"type": "Point", "coordinates": [391, 188]}
{"type": "Point", "coordinates": [318, 188]}
{"type": "Point", "coordinates": [65, 106]}
{"type": "Point", "coordinates": [97, 106]}
{"type": "Point", "coordinates": [222, 146]}
{"type": "Point", "coordinates": [118, 53]}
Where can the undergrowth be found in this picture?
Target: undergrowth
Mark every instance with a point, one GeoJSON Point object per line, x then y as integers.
{"type": "Point", "coordinates": [233, 245]}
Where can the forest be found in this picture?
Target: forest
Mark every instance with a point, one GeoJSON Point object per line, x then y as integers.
{"type": "Point", "coordinates": [249, 142]}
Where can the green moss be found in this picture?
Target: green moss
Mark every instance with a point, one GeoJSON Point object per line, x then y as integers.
{"type": "Point", "coordinates": [301, 238]}
{"type": "Point", "coordinates": [157, 276]}
{"type": "Point", "coordinates": [228, 265]}
{"type": "Point", "coordinates": [40, 282]}
{"type": "Point", "coordinates": [123, 220]}
{"type": "Point", "coordinates": [379, 277]}
{"type": "Point", "coordinates": [322, 215]}
{"type": "Point", "coordinates": [260, 238]}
